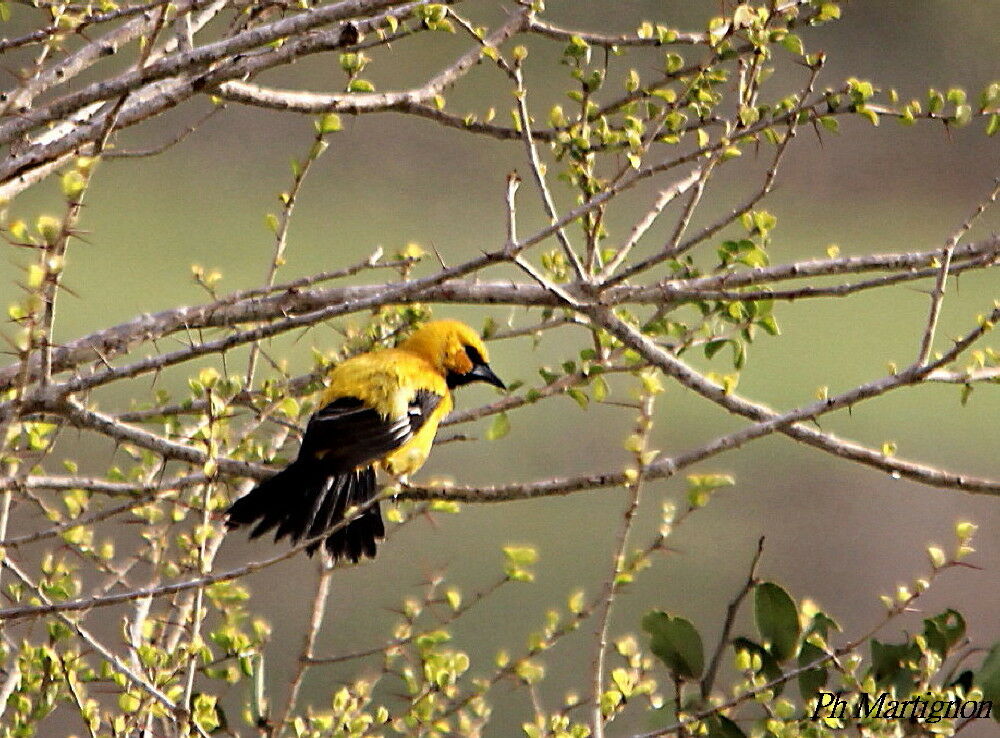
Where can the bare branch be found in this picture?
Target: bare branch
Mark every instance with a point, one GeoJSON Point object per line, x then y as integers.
{"type": "Point", "coordinates": [308, 644]}
{"type": "Point", "coordinates": [614, 580]}
{"type": "Point", "coordinates": [708, 681]}
{"type": "Point", "coordinates": [937, 296]}
{"type": "Point", "coordinates": [355, 102]}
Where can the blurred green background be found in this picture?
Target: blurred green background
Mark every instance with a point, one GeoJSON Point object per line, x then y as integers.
{"type": "Point", "coordinates": [838, 533]}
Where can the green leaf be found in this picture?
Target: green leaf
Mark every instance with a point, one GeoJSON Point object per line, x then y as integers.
{"type": "Point", "coordinates": [328, 123]}
{"type": "Point", "coordinates": [204, 712]}
{"type": "Point", "coordinates": [990, 95]}
{"type": "Point", "coordinates": [956, 96]}
{"type": "Point", "coordinates": [828, 11]}
{"type": "Point", "coordinates": [770, 325]}
{"type": "Point", "coordinates": [777, 619]}
{"type": "Point", "coordinates": [353, 62]}
{"type": "Point", "coordinates": [811, 681]}
{"type": "Point", "coordinates": [579, 396]}
{"type": "Point", "coordinates": [360, 85]}
{"type": "Point", "coordinates": [719, 726]}
{"type": "Point", "coordinates": [988, 678]}
{"type": "Point", "coordinates": [935, 101]}
{"type": "Point", "coordinates": [577, 48]}
{"type": "Point", "coordinates": [499, 428]}
{"type": "Point", "coordinates": [129, 703]}
{"type": "Point", "coordinates": [763, 221]}
{"type": "Point", "coordinates": [822, 624]}
{"type": "Point", "coordinates": [755, 257]}
{"type": "Point", "coordinates": [889, 664]}
{"type": "Point", "coordinates": [520, 555]}
{"type": "Point", "coordinates": [963, 114]}
{"type": "Point", "coordinates": [518, 560]}
{"type": "Point", "coordinates": [709, 482]}
{"type": "Point", "coordinates": [992, 126]}
{"type": "Point", "coordinates": [675, 641]}
{"type": "Point", "coordinates": [632, 81]}
{"type": "Point", "coordinates": [944, 631]}
{"type": "Point", "coordinates": [794, 44]}
{"type": "Point", "coordinates": [489, 328]}
{"type": "Point", "coordinates": [749, 115]}
{"type": "Point", "coordinates": [666, 35]}
{"type": "Point", "coordinates": [867, 113]}
{"type": "Point", "coordinates": [713, 347]}
{"type": "Point", "coordinates": [730, 152]}
{"type": "Point", "coordinates": [73, 184]}
{"type": "Point", "coordinates": [599, 386]}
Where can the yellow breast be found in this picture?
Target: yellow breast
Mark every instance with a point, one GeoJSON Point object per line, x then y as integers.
{"type": "Point", "coordinates": [411, 455]}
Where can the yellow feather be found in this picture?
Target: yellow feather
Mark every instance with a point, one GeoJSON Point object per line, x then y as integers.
{"type": "Point", "coordinates": [385, 380]}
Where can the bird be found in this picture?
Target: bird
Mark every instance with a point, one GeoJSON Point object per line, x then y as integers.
{"type": "Point", "coordinates": [381, 410]}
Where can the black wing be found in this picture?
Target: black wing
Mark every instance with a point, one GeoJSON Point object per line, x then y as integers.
{"type": "Point", "coordinates": [332, 473]}
{"type": "Point", "coordinates": [346, 434]}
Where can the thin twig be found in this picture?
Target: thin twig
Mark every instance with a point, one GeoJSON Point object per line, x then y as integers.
{"type": "Point", "coordinates": [644, 426]}
{"type": "Point", "coordinates": [937, 295]}
{"type": "Point", "coordinates": [524, 120]}
{"type": "Point", "coordinates": [308, 644]}
{"type": "Point", "coordinates": [708, 681]}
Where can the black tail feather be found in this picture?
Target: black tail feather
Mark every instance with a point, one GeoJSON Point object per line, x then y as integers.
{"type": "Point", "coordinates": [303, 501]}
{"type": "Point", "coordinates": [357, 539]}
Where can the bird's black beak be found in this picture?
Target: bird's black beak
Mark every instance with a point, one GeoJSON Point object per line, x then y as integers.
{"type": "Point", "coordinates": [483, 373]}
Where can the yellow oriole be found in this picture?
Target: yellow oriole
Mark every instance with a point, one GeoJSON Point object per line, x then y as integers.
{"type": "Point", "coordinates": [381, 409]}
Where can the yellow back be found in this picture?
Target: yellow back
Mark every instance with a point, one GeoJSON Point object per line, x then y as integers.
{"type": "Point", "coordinates": [388, 379]}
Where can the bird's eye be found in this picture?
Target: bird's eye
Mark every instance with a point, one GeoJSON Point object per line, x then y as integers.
{"type": "Point", "coordinates": [474, 356]}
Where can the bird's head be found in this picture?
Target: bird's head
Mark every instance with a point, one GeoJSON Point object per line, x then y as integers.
{"type": "Point", "coordinates": [455, 350]}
